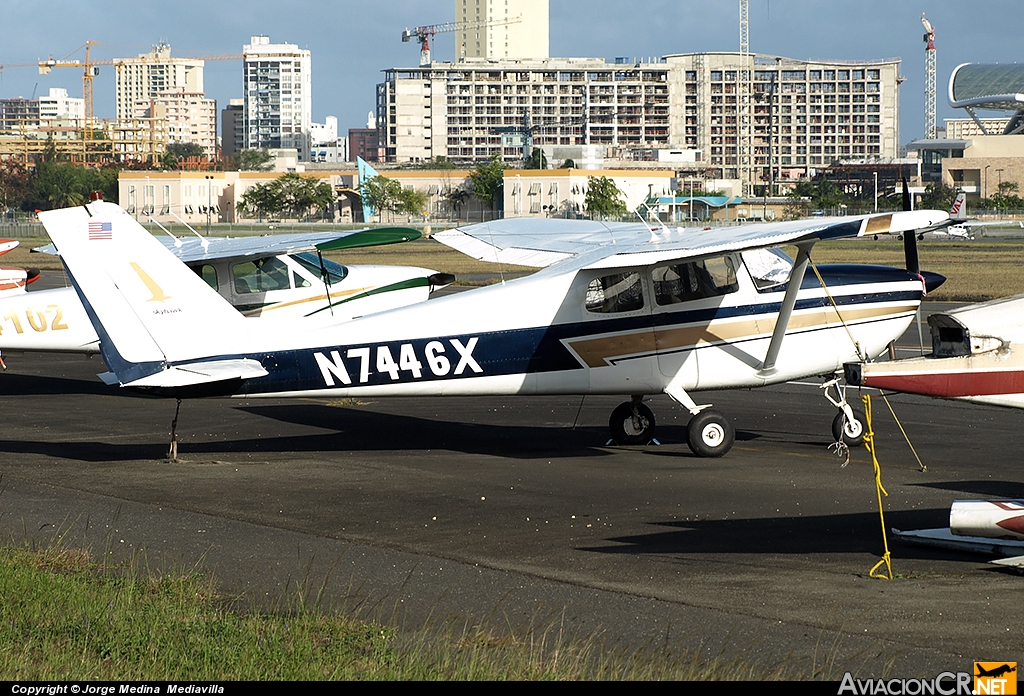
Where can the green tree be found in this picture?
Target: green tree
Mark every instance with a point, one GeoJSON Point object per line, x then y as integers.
{"type": "Point", "coordinates": [604, 199]}
{"type": "Point", "coordinates": [568, 164]}
{"type": "Point", "coordinates": [292, 195]}
{"type": "Point", "coordinates": [823, 194]}
{"type": "Point", "coordinates": [937, 197]}
{"type": "Point", "coordinates": [15, 185]}
{"type": "Point", "coordinates": [301, 195]}
{"type": "Point", "coordinates": [537, 159]}
{"type": "Point", "coordinates": [262, 200]}
{"type": "Point", "coordinates": [487, 181]}
{"type": "Point", "coordinates": [411, 202]}
{"type": "Point", "coordinates": [381, 194]}
{"type": "Point", "coordinates": [455, 198]}
{"type": "Point", "coordinates": [185, 150]}
{"type": "Point", "coordinates": [255, 161]}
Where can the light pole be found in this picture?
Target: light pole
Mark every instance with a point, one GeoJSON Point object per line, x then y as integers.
{"type": "Point", "coordinates": [876, 191]}
{"type": "Point", "coordinates": [985, 182]}
{"type": "Point", "coordinates": [209, 192]}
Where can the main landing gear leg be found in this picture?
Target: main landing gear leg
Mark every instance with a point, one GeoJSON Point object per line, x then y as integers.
{"type": "Point", "coordinates": [709, 433]}
{"type": "Point", "coordinates": [632, 423]}
{"type": "Point", "coordinates": [848, 425]}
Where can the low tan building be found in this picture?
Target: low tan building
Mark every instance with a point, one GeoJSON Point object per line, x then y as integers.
{"type": "Point", "coordinates": [194, 197]}
{"type": "Point", "coordinates": [558, 192]}
{"type": "Point", "coordinates": [976, 166]}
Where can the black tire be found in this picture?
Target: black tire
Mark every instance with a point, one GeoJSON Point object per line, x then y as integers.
{"type": "Point", "coordinates": [852, 433]}
{"type": "Point", "coordinates": [629, 428]}
{"type": "Point", "coordinates": [710, 434]}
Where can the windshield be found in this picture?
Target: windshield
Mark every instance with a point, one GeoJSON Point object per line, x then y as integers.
{"type": "Point", "coordinates": [768, 267]}
{"type": "Point", "coordinates": [308, 260]}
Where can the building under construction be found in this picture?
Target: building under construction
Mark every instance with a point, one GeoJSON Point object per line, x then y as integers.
{"type": "Point", "coordinates": [755, 119]}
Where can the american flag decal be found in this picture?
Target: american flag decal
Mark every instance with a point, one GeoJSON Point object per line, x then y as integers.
{"type": "Point", "coordinates": [100, 230]}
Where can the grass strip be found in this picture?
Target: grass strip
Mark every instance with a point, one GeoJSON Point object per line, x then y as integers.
{"type": "Point", "coordinates": [64, 617]}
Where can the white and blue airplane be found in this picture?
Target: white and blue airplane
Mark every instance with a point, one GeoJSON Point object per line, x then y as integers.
{"type": "Point", "coordinates": [615, 309]}
{"type": "Point", "coordinates": [277, 278]}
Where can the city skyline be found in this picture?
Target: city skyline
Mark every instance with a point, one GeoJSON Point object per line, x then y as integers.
{"type": "Point", "coordinates": [350, 51]}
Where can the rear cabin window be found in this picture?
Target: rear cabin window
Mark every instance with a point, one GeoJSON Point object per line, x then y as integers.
{"type": "Point", "coordinates": [694, 280]}
{"type": "Point", "coordinates": [621, 292]}
{"type": "Point", "coordinates": [207, 273]}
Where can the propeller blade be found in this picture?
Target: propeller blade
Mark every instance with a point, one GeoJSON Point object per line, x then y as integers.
{"type": "Point", "coordinates": [910, 237]}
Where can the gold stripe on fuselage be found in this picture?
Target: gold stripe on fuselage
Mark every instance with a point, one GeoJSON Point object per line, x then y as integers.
{"type": "Point", "coordinates": [315, 298]}
{"type": "Point", "coordinates": [600, 351]}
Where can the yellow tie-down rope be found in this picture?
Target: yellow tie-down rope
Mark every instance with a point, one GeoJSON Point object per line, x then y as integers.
{"type": "Point", "coordinates": [860, 354]}
{"type": "Point", "coordinates": [869, 443]}
{"type": "Point", "coordinates": [869, 439]}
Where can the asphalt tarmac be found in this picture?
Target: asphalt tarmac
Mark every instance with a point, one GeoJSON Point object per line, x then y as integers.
{"type": "Point", "coordinates": [513, 512]}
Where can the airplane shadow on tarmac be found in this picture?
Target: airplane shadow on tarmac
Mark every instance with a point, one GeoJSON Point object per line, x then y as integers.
{"type": "Point", "coordinates": [840, 533]}
{"type": "Point", "coordinates": [41, 385]}
{"type": "Point", "coordinates": [353, 429]}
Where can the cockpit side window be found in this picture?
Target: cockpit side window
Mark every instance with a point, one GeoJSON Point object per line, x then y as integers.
{"type": "Point", "coordinates": [335, 271]}
{"type": "Point", "coordinates": [693, 280]}
{"type": "Point", "coordinates": [262, 275]}
{"type": "Point", "coordinates": [621, 292]}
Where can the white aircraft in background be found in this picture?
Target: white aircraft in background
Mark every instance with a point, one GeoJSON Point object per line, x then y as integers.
{"type": "Point", "coordinates": [274, 278]}
{"type": "Point", "coordinates": [14, 280]}
{"type": "Point", "coordinates": [977, 355]}
{"type": "Point", "coordinates": [963, 227]}
{"type": "Point", "coordinates": [615, 309]}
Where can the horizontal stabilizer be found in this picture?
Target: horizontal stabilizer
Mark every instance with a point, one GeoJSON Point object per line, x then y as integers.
{"type": "Point", "coordinates": [201, 373]}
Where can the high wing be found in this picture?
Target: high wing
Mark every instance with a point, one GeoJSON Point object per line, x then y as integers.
{"type": "Point", "coordinates": [545, 242]}
{"type": "Point", "coordinates": [194, 249]}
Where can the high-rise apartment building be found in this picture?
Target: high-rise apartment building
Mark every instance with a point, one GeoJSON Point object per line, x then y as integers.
{"type": "Point", "coordinates": [232, 128]}
{"type": "Point", "coordinates": [755, 119]}
{"type": "Point", "coordinates": [58, 106]}
{"type": "Point", "coordinates": [278, 96]}
{"type": "Point", "coordinates": [183, 117]}
{"type": "Point", "coordinates": [502, 30]}
{"type": "Point", "coordinates": [152, 73]}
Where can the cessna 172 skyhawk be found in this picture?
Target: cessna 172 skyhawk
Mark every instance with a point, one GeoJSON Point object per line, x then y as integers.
{"type": "Point", "coordinates": [618, 309]}
{"type": "Point", "coordinates": [278, 277]}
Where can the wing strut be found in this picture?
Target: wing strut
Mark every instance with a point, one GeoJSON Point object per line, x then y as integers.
{"type": "Point", "coordinates": [796, 279]}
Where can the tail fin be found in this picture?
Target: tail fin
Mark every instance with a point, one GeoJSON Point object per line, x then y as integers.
{"type": "Point", "coordinates": [148, 308]}
{"type": "Point", "coordinates": [959, 209]}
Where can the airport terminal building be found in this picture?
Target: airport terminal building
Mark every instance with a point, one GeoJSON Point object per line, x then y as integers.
{"type": "Point", "coordinates": [751, 117]}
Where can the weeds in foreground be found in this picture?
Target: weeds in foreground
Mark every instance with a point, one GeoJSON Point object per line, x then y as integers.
{"type": "Point", "coordinates": [62, 616]}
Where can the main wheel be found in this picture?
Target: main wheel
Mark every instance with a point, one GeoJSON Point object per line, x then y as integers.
{"type": "Point", "coordinates": [851, 432]}
{"type": "Point", "coordinates": [629, 427]}
{"type": "Point", "coordinates": [710, 434]}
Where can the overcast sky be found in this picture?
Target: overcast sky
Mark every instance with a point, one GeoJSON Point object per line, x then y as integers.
{"type": "Point", "coordinates": [352, 42]}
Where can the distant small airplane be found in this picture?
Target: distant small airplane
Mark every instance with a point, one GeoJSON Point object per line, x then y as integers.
{"type": "Point", "coordinates": [964, 227]}
{"type": "Point", "coordinates": [271, 278]}
{"type": "Point", "coordinates": [615, 309]}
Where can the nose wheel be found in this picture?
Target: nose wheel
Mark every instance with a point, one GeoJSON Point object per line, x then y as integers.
{"type": "Point", "coordinates": [850, 431]}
